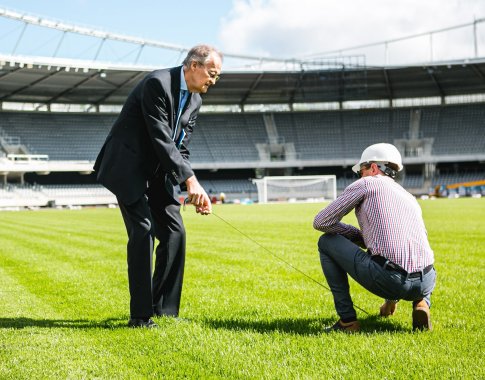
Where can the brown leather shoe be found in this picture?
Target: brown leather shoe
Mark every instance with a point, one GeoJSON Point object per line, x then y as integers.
{"type": "Point", "coordinates": [349, 328]}
{"type": "Point", "coordinates": [388, 308]}
{"type": "Point", "coordinates": [421, 316]}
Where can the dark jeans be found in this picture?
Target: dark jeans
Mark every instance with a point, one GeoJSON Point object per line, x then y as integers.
{"type": "Point", "coordinates": [339, 257]}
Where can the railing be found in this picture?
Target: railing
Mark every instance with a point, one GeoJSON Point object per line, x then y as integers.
{"type": "Point", "coordinates": [21, 158]}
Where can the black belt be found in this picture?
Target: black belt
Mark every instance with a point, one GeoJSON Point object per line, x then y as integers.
{"type": "Point", "coordinates": [385, 263]}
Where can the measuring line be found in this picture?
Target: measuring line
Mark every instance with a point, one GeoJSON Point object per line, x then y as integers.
{"type": "Point", "coordinates": [280, 258]}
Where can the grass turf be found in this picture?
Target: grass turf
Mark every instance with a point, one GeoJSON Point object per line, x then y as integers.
{"type": "Point", "coordinates": [64, 301]}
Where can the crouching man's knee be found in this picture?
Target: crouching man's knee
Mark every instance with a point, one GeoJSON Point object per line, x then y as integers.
{"type": "Point", "coordinates": [325, 241]}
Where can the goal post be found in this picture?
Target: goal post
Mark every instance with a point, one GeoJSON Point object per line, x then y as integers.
{"type": "Point", "coordinates": [309, 188]}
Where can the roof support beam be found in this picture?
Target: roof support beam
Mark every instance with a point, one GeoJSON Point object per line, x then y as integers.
{"type": "Point", "coordinates": [86, 31]}
{"type": "Point", "coordinates": [436, 83]}
{"type": "Point", "coordinates": [62, 93]}
{"type": "Point", "coordinates": [20, 89]}
{"type": "Point", "coordinates": [19, 39]}
{"type": "Point", "coordinates": [10, 72]}
{"type": "Point", "coordinates": [251, 89]}
{"type": "Point", "coordinates": [388, 83]}
{"type": "Point", "coordinates": [108, 94]}
{"type": "Point", "coordinates": [99, 49]}
{"type": "Point", "coordinates": [59, 44]}
{"type": "Point", "coordinates": [478, 72]}
{"type": "Point", "coordinates": [299, 81]}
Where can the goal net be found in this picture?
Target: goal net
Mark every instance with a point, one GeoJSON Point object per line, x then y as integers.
{"type": "Point", "coordinates": [312, 188]}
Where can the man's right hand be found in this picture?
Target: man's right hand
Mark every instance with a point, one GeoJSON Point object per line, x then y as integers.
{"type": "Point", "coordinates": [197, 196]}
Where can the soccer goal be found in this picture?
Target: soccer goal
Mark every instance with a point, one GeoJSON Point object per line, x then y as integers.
{"type": "Point", "coordinates": [310, 188]}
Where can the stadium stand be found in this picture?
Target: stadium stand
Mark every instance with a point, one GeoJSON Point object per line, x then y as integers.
{"type": "Point", "coordinates": [62, 136]}
{"type": "Point", "coordinates": [54, 195]}
{"type": "Point", "coordinates": [456, 129]}
{"type": "Point", "coordinates": [441, 143]}
{"type": "Point", "coordinates": [234, 137]}
{"type": "Point", "coordinates": [244, 187]}
{"type": "Point", "coordinates": [451, 178]}
{"type": "Point", "coordinates": [413, 182]}
{"type": "Point", "coordinates": [223, 138]}
{"type": "Point", "coordinates": [314, 134]}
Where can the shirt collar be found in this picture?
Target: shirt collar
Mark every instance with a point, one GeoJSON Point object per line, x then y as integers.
{"type": "Point", "coordinates": [183, 84]}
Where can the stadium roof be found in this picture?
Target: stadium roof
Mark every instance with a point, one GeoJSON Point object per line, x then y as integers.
{"type": "Point", "coordinates": [52, 80]}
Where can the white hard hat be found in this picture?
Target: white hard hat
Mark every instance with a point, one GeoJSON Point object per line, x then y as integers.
{"type": "Point", "coordinates": [382, 152]}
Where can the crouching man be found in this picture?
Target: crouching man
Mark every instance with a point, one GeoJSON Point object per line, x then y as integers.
{"type": "Point", "coordinates": [398, 263]}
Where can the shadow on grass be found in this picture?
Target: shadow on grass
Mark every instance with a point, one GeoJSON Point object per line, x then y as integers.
{"type": "Point", "coordinates": [374, 324]}
{"type": "Point", "coordinates": [300, 326]}
{"type": "Point", "coordinates": [371, 324]}
{"type": "Point", "coordinates": [23, 322]}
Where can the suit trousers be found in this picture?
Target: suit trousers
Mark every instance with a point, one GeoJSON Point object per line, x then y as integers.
{"type": "Point", "coordinates": [156, 215]}
{"type": "Point", "coordinates": [339, 257]}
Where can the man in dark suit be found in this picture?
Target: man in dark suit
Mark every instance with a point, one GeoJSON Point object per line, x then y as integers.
{"type": "Point", "coordinates": [142, 160]}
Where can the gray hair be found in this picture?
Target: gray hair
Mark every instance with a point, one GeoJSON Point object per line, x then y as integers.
{"type": "Point", "coordinates": [200, 54]}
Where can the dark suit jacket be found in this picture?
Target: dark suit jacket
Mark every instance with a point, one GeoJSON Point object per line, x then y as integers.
{"type": "Point", "coordinates": [140, 143]}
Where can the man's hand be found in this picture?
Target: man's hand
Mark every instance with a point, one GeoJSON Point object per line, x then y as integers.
{"type": "Point", "coordinates": [198, 197]}
{"type": "Point", "coordinates": [203, 210]}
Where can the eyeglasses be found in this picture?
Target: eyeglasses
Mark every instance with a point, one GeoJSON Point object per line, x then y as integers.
{"type": "Point", "coordinates": [212, 75]}
{"type": "Point", "coordinates": [362, 168]}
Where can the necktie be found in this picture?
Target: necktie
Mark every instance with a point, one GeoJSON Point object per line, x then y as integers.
{"type": "Point", "coordinates": [184, 94]}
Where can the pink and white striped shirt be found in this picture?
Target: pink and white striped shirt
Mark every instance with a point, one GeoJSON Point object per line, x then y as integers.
{"type": "Point", "coordinates": [390, 220]}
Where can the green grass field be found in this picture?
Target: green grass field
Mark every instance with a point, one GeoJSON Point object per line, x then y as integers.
{"type": "Point", "coordinates": [64, 301]}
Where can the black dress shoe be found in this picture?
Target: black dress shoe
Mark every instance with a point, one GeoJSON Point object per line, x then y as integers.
{"type": "Point", "coordinates": [142, 322]}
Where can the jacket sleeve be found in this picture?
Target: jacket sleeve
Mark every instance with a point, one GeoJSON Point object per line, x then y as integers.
{"type": "Point", "coordinates": [157, 109]}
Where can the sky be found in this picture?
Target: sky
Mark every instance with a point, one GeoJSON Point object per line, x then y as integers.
{"type": "Point", "coordinates": [268, 28]}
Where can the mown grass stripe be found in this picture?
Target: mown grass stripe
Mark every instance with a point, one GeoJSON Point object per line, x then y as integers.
{"type": "Point", "coordinates": [247, 317]}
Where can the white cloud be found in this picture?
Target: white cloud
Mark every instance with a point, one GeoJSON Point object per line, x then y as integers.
{"type": "Point", "coordinates": [293, 28]}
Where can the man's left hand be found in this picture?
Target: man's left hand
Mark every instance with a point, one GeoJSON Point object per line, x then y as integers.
{"type": "Point", "coordinates": [203, 210]}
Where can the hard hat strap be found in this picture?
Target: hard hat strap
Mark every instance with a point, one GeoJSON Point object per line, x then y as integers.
{"type": "Point", "coordinates": [386, 170]}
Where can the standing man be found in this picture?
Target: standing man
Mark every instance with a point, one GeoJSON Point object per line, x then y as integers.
{"type": "Point", "coordinates": [398, 263]}
{"type": "Point", "coordinates": [143, 158]}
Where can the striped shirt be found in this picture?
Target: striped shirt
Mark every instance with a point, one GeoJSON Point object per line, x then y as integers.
{"type": "Point", "coordinates": [390, 220]}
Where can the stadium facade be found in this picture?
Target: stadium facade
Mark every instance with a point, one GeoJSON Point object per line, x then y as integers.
{"type": "Point", "coordinates": [316, 119]}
